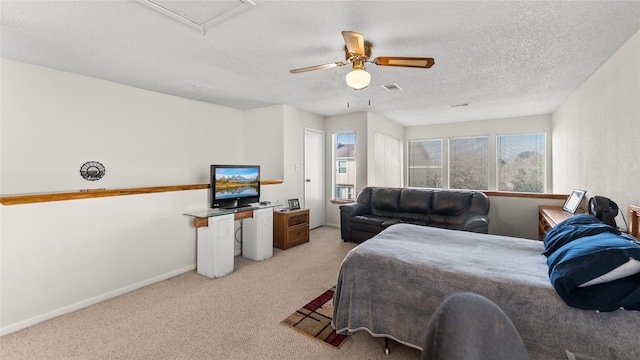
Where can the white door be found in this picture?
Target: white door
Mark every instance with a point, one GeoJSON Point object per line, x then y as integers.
{"type": "Point", "coordinates": [314, 176]}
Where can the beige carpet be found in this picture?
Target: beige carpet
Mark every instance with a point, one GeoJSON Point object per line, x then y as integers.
{"type": "Point", "coordinates": [192, 317]}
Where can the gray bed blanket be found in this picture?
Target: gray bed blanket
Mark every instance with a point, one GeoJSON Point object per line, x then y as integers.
{"type": "Point", "coordinates": [391, 284]}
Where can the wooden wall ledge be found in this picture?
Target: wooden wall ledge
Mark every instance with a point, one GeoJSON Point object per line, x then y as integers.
{"type": "Point", "coordinates": [495, 193]}
{"type": "Point", "coordinates": [526, 195]}
{"type": "Point", "coordinates": [96, 193]}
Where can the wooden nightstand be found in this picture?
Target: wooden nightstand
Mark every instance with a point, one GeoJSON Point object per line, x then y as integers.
{"type": "Point", "coordinates": [290, 228]}
{"type": "Point", "coordinates": [550, 216]}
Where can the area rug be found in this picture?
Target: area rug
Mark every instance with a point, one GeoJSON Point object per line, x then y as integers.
{"type": "Point", "coordinates": [314, 319]}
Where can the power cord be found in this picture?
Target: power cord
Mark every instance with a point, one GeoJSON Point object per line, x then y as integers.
{"type": "Point", "coordinates": [235, 235]}
{"type": "Point", "coordinates": [625, 220]}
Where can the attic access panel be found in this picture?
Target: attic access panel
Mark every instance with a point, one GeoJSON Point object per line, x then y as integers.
{"type": "Point", "coordinates": [201, 15]}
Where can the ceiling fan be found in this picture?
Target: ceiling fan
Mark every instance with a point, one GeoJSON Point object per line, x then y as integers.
{"type": "Point", "coordinates": [357, 53]}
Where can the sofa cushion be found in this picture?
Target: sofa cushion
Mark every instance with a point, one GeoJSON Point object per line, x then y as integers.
{"type": "Point", "coordinates": [391, 221]}
{"type": "Point", "coordinates": [450, 209]}
{"type": "Point", "coordinates": [413, 218]}
{"type": "Point", "coordinates": [451, 225]}
{"type": "Point", "coordinates": [369, 220]}
{"type": "Point", "coordinates": [451, 203]}
{"type": "Point", "coordinates": [417, 222]}
{"type": "Point", "coordinates": [416, 201]}
{"type": "Point", "coordinates": [384, 199]}
{"type": "Point", "coordinates": [365, 197]}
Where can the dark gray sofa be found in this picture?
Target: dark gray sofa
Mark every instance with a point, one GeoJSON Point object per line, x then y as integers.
{"type": "Point", "coordinates": [377, 208]}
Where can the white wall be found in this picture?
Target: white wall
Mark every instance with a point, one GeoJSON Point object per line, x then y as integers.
{"type": "Point", "coordinates": [61, 256]}
{"type": "Point", "coordinates": [264, 140]}
{"type": "Point", "coordinates": [53, 122]}
{"type": "Point", "coordinates": [57, 257]}
{"type": "Point", "coordinates": [296, 121]}
{"type": "Point", "coordinates": [274, 138]}
{"type": "Point", "coordinates": [516, 216]}
{"type": "Point", "coordinates": [596, 132]}
{"type": "Point", "coordinates": [379, 124]}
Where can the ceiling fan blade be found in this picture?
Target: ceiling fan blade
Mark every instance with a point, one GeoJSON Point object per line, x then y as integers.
{"type": "Point", "coordinates": [354, 42]}
{"type": "Point", "coordinates": [316, 67]}
{"type": "Point", "coordinates": [415, 62]}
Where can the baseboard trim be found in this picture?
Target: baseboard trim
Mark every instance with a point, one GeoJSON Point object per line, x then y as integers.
{"type": "Point", "coordinates": [91, 301]}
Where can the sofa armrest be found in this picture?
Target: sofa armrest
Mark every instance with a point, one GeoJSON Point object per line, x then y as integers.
{"type": "Point", "coordinates": [354, 209]}
{"type": "Point", "coordinates": [348, 211]}
{"type": "Point", "coordinates": [477, 223]}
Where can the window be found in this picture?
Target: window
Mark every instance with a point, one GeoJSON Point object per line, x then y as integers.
{"type": "Point", "coordinates": [344, 192]}
{"type": "Point", "coordinates": [518, 163]}
{"type": "Point", "coordinates": [342, 166]}
{"type": "Point", "coordinates": [469, 163]}
{"type": "Point", "coordinates": [344, 159]}
{"type": "Point", "coordinates": [425, 163]}
{"type": "Point", "coordinates": [521, 163]}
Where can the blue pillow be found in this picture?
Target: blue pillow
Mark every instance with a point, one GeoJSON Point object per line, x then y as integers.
{"type": "Point", "coordinates": [573, 228]}
{"type": "Point", "coordinates": [589, 257]}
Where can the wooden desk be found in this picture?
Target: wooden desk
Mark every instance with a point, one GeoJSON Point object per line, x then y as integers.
{"type": "Point", "coordinates": [633, 213]}
{"type": "Point", "coordinates": [550, 216]}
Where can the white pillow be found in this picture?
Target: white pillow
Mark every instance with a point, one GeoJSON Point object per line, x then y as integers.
{"type": "Point", "coordinates": [627, 269]}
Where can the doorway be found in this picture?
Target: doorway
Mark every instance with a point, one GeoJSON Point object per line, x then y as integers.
{"type": "Point", "coordinates": [314, 198]}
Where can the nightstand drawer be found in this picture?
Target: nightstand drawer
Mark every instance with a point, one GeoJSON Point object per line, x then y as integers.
{"type": "Point", "coordinates": [298, 219]}
{"type": "Point", "coordinates": [299, 234]}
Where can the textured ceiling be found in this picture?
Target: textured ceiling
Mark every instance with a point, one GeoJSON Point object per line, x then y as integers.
{"type": "Point", "coordinates": [504, 59]}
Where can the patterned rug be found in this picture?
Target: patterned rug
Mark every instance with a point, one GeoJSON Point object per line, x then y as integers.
{"type": "Point", "coordinates": [314, 319]}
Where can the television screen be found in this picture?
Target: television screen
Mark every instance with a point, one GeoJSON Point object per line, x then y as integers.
{"type": "Point", "coordinates": [234, 185]}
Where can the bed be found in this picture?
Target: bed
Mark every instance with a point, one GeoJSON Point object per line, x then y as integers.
{"type": "Point", "coordinates": [391, 284]}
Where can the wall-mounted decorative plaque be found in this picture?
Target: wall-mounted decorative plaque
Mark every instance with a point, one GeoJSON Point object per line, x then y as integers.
{"type": "Point", "coordinates": [92, 171]}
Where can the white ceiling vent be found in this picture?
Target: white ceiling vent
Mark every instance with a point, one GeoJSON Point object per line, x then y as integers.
{"type": "Point", "coordinates": [392, 87]}
{"type": "Point", "coordinates": [201, 15]}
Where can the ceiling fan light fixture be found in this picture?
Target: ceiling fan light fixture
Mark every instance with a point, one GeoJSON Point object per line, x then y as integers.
{"type": "Point", "coordinates": [358, 52]}
{"type": "Point", "coordinates": [358, 79]}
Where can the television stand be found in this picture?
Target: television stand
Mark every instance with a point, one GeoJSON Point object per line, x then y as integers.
{"type": "Point", "coordinates": [241, 208]}
{"type": "Point", "coordinates": [215, 237]}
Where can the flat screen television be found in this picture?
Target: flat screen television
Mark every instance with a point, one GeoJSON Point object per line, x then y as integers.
{"type": "Point", "coordinates": [234, 186]}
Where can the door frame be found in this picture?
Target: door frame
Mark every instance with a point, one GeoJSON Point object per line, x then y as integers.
{"type": "Point", "coordinates": [317, 213]}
